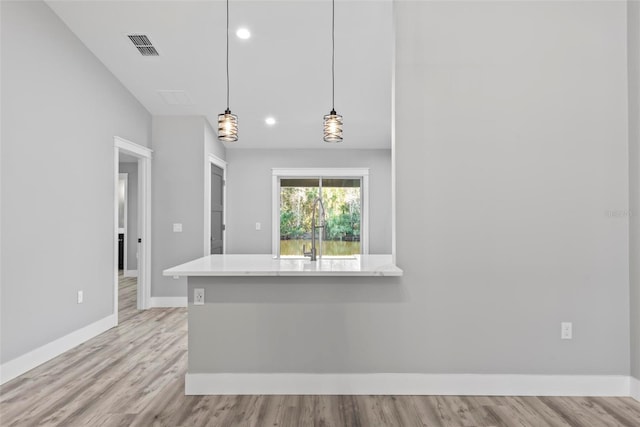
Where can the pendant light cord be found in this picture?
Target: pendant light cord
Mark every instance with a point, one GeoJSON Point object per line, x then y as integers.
{"type": "Point", "coordinates": [333, 54]}
{"type": "Point", "coordinates": [227, 55]}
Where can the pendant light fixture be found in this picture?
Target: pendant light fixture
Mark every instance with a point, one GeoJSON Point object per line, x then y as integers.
{"type": "Point", "coordinates": [333, 120]}
{"type": "Point", "coordinates": [227, 122]}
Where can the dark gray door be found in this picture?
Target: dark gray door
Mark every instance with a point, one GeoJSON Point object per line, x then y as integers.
{"type": "Point", "coordinates": [217, 225]}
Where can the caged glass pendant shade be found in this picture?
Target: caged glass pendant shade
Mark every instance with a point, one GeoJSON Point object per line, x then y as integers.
{"type": "Point", "coordinates": [227, 127]}
{"type": "Point", "coordinates": [333, 127]}
{"type": "Point", "coordinates": [333, 120]}
{"type": "Point", "coordinates": [227, 122]}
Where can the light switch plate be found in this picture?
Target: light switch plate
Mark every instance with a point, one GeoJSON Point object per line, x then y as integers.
{"type": "Point", "coordinates": [566, 330]}
{"type": "Point", "coordinates": [80, 297]}
{"type": "Point", "coordinates": [198, 296]}
{"type": "Point", "coordinates": [177, 228]}
{"type": "Point", "coordinates": [258, 226]}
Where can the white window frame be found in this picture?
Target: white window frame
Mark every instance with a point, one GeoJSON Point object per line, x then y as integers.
{"type": "Point", "coordinates": [278, 173]}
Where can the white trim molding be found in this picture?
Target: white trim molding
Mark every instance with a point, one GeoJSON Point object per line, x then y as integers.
{"type": "Point", "coordinates": [136, 149]}
{"type": "Point", "coordinates": [157, 302]}
{"type": "Point", "coordinates": [394, 25]}
{"type": "Point", "coordinates": [40, 355]}
{"type": "Point", "coordinates": [130, 273]}
{"type": "Point", "coordinates": [408, 384]}
{"type": "Point", "coordinates": [144, 155]}
{"type": "Point", "coordinates": [634, 388]}
{"type": "Point", "coordinates": [314, 172]}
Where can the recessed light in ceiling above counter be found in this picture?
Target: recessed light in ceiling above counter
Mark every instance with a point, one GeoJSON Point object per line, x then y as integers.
{"type": "Point", "coordinates": [243, 33]}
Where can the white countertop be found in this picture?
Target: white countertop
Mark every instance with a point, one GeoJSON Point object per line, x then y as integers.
{"type": "Point", "coordinates": [267, 265]}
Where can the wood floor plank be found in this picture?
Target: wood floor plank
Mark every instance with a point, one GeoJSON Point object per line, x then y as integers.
{"type": "Point", "coordinates": [245, 413]}
{"type": "Point", "coordinates": [269, 413]}
{"type": "Point", "coordinates": [588, 409]}
{"type": "Point", "coordinates": [481, 408]}
{"type": "Point", "coordinates": [543, 412]}
{"type": "Point", "coordinates": [133, 375]}
{"type": "Point", "coordinates": [571, 417]}
{"type": "Point", "coordinates": [426, 411]}
{"type": "Point", "coordinates": [388, 410]}
{"type": "Point", "coordinates": [407, 413]}
{"type": "Point", "coordinates": [462, 411]}
{"type": "Point", "coordinates": [537, 415]}
{"type": "Point", "coordinates": [511, 417]}
{"type": "Point", "coordinates": [623, 410]}
{"type": "Point", "coordinates": [291, 411]}
{"type": "Point", "coordinates": [447, 416]}
{"type": "Point", "coordinates": [324, 415]}
{"type": "Point", "coordinates": [163, 408]}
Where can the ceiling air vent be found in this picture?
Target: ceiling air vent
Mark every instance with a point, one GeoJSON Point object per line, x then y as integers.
{"type": "Point", "coordinates": [143, 44]}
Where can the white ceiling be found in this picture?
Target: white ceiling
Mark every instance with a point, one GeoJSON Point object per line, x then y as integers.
{"type": "Point", "coordinates": [283, 70]}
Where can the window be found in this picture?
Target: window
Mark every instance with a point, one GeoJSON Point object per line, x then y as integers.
{"type": "Point", "coordinates": [343, 195]}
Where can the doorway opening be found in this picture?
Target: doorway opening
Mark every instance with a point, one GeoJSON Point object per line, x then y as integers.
{"type": "Point", "coordinates": [132, 222]}
{"type": "Point", "coordinates": [123, 211]}
{"type": "Point", "coordinates": [215, 195]}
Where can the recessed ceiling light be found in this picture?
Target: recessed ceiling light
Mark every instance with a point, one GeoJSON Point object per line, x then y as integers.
{"type": "Point", "coordinates": [270, 121]}
{"type": "Point", "coordinates": [243, 33]}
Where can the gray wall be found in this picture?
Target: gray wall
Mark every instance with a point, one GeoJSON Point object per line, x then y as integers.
{"type": "Point", "coordinates": [511, 152]}
{"type": "Point", "coordinates": [132, 212]}
{"type": "Point", "coordinates": [180, 145]}
{"type": "Point", "coordinates": [519, 146]}
{"type": "Point", "coordinates": [211, 143]}
{"type": "Point", "coordinates": [249, 193]}
{"type": "Point", "coordinates": [633, 17]}
{"type": "Point", "coordinates": [59, 105]}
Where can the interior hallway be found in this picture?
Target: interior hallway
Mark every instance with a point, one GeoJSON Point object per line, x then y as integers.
{"type": "Point", "coordinates": [134, 375]}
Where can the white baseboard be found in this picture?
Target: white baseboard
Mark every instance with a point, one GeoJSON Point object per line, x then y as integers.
{"type": "Point", "coordinates": [168, 302]}
{"type": "Point", "coordinates": [408, 384]}
{"type": "Point", "coordinates": [40, 355]}
{"type": "Point", "coordinates": [131, 273]}
{"type": "Point", "coordinates": [635, 388]}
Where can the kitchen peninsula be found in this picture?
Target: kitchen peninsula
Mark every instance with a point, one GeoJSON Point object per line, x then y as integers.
{"type": "Point", "coordinates": [267, 265]}
{"type": "Point", "coordinates": [258, 315]}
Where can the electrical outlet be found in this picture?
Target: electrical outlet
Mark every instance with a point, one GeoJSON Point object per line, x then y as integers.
{"type": "Point", "coordinates": [566, 330]}
{"type": "Point", "coordinates": [198, 296]}
{"type": "Point", "coordinates": [258, 226]}
{"type": "Point", "coordinates": [177, 228]}
{"type": "Point", "coordinates": [80, 297]}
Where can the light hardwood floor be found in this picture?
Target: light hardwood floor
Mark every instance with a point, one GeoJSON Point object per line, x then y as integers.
{"type": "Point", "coordinates": [134, 375]}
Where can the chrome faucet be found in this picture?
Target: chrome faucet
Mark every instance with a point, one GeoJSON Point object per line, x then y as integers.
{"type": "Point", "coordinates": [313, 252]}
